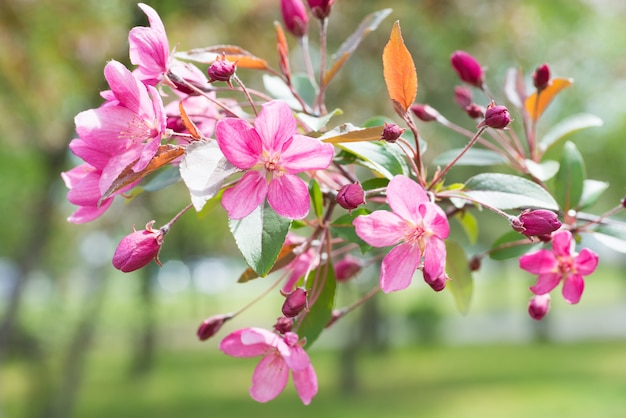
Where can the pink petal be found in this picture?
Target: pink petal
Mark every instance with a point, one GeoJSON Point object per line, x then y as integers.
{"type": "Point", "coordinates": [435, 220]}
{"type": "Point", "coordinates": [573, 288]}
{"type": "Point", "coordinates": [86, 191]}
{"type": "Point", "coordinates": [305, 382]}
{"type": "Point", "coordinates": [398, 267]}
{"type": "Point", "coordinates": [562, 243]}
{"type": "Point", "coordinates": [306, 153]}
{"type": "Point", "coordinates": [404, 196]}
{"type": "Point", "coordinates": [380, 228]}
{"type": "Point", "coordinates": [269, 378]}
{"type": "Point", "coordinates": [275, 125]}
{"type": "Point", "coordinates": [153, 17]}
{"type": "Point", "coordinates": [297, 358]}
{"type": "Point", "coordinates": [239, 142]}
{"type": "Point", "coordinates": [288, 196]}
{"type": "Point", "coordinates": [116, 165]}
{"type": "Point", "coordinates": [586, 262]}
{"type": "Point", "coordinates": [101, 128]}
{"type": "Point", "coordinates": [242, 199]}
{"type": "Point", "coordinates": [92, 155]}
{"type": "Point", "coordinates": [539, 262]}
{"type": "Point", "coordinates": [89, 213]}
{"type": "Point", "coordinates": [434, 259]}
{"type": "Point", "coordinates": [130, 92]}
{"type": "Point", "coordinates": [248, 342]}
{"type": "Point", "coordinates": [545, 283]}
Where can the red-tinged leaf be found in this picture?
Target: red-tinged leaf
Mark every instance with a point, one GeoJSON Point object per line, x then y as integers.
{"type": "Point", "coordinates": [283, 50]}
{"type": "Point", "coordinates": [233, 53]}
{"type": "Point", "coordinates": [188, 123]}
{"type": "Point", "coordinates": [350, 133]}
{"type": "Point", "coordinates": [399, 71]}
{"type": "Point", "coordinates": [536, 104]}
{"type": "Point", "coordinates": [285, 256]}
{"type": "Point", "coordinates": [369, 24]}
{"type": "Point", "coordinates": [165, 155]}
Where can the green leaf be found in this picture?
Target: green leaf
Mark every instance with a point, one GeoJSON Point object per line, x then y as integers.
{"type": "Point", "coordinates": [260, 237]}
{"type": "Point", "coordinates": [473, 157]}
{"type": "Point", "coordinates": [317, 123]}
{"type": "Point", "coordinates": [316, 198]}
{"type": "Point", "coordinates": [504, 191]}
{"type": "Point", "coordinates": [592, 190]}
{"type": "Point", "coordinates": [568, 182]}
{"type": "Point", "coordinates": [469, 224]}
{"type": "Point", "coordinates": [381, 157]}
{"type": "Point", "coordinates": [342, 227]}
{"type": "Point", "coordinates": [166, 176]}
{"type": "Point", "coordinates": [563, 129]}
{"type": "Point", "coordinates": [375, 183]}
{"type": "Point", "coordinates": [278, 89]}
{"type": "Point", "coordinates": [302, 84]}
{"type": "Point", "coordinates": [503, 249]}
{"type": "Point", "coordinates": [544, 170]}
{"type": "Point", "coordinates": [320, 312]}
{"type": "Point", "coordinates": [461, 283]}
{"type": "Point", "coordinates": [612, 235]}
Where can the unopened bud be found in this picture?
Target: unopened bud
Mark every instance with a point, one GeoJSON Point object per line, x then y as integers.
{"type": "Point", "coordinates": [462, 96]}
{"type": "Point", "coordinates": [539, 306]}
{"type": "Point", "coordinates": [474, 263]}
{"type": "Point", "coordinates": [294, 303]}
{"type": "Point", "coordinates": [391, 132]}
{"type": "Point", "coordinates": [347, 267]}
{"type": "Point", "coordinates": [541, 77]}
{"type": "Point", "coordinates": [424, 112]}
{"type": "Point", "coordinates": [536, 222]}
{"type": "Point", "coordinates": [283, 324]}
{"type": "Point", "coordinates": [496, 117]}
{"type": "Point", "coordinates": [139, 248]}
{"type": "Point", "coordinates": [222, 70]}
{"type": "Point", "coordinates": [475, 111]}
{"type": "Point", "coordinates": [624, 202]}
{"type": "Point", "coordinates": [295, 17]}
{"type": "Point", "coordinates": [468, 68]}
{"type": "Point", "coordinates": [212, 325]}
{"type": "Point", "coordinates": [438, 283]}
{"type": "Point", "coordinates": [351, 196]}
{"type": "Point", "coordinates": [321, 8]}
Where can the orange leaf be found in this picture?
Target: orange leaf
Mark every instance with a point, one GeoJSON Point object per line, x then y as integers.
{"type": "Point", "coordinates": [283, 50]}
{"type": "Point", "coordinates": [399, 70]}
{"type": "Point", "coordinates": [233, 53]}
{"type": "Point", "coordinates": [536, 104]}
{"type": "Point", "coordinates": [188, 123]}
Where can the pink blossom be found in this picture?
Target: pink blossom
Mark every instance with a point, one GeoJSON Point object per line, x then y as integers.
{"type": "Point", "coordinates": [280, 354]}
{"type": "Point", "coordinates": [149, 48]}
{"type": "Point", "coordinates": [560, 264]}
{"type": "Point", "coordinates": [137, 249]}
{"type": "Point", "coordinates": [272, 153]}
{"type": "Point", "coordinates": [83, 182]}
{"type": "Point", "coordinates": [415, 226]}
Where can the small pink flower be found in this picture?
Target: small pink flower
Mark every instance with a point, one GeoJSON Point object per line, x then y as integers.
{"type": "Point", "coordinates": [149, 48]}
{"type": "Point", "coordinates": [295, 302]}
{"type": "Point", "coordinates": [295, 17]}
{"type": "Point", "coordinates": [538, 306]}
{"type": "Point", "coordinates": [560, 264]}
{"type": "Point", "coordinates": [415, 226]}
{"type": "Point", "coordinates": [496, 117]}
{"type": "Point", "coordinates": [321, 8]}
{"type": "Point", "coordinates": [347, 268]}
{"type": "Point", "coordinates": [541, 77]}
{"type": "Point", "coordinates": [139, 248]}
{"type": "Point", "coordinates": [536, 222]}
{"type": "Point", "coordinates": [83, 182]}
{"type": "Point", "coordinates": [351, 196]}
{"type": "Point", "coordinates": [424, 112]}
{"type": "Point", "coordinates": [280, 354]}
{"type": "Point", "coordinates": [212, 325]}
{"type": "Point", "coordinates": [272, 153]}
{"type": "Point", "coordinates": [391, 132]}
{"type": "Point", "coordinates": [468, 68]}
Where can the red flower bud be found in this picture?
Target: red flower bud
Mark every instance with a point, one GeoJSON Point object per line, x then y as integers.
{"type": "Point", "coordinates": [295, 17]}
{"type": "Point", "coordinates": [496, 117]}
{"type": "Point", "coordinates": [351, 196]}
{"type": "Point", "coordinates": [139, 248]}
{"type": "Point", "coordinates": [391, 132]}
{"type": "Point", "coordinates": [437, 283]}
{"type": "Point", "coordinates": [468, 68]}
{"type": "Point", "coordinates": [541, 77]}
{"type": "Point", "coordinates": [475, 111]}
{"type": "Point", "coordinates": [321, 8]}
{"type": "Point", "coordinates": [624, 202]}
{"type": "Point", "coordinates": [474, 263]}
{"type": "Point", "coordinates": [222, 70]}
{"type": "Point", "coordinates": [347, 268]}
{"type": "Point", "coordinates": [294, 303]}
{"type": "Point", "coordinates": [462, 96]}
{"type": "Point", "coordinates": [424, 112]}
{"type": "Point", "coordinates": [536, 222]}
{"type": "Point", "coordinates": [212, 325]}
{"type": "Point", "coordinates": [539, 306]}
{"type": "Point", "coordinates": [283, 324]}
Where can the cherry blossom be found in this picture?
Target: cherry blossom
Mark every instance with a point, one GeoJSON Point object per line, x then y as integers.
{"type": "Point", "coordinates": [149, 48]}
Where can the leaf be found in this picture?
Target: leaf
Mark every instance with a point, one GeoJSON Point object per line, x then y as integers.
{"type": "Point", "coordinates": [203, 169]}
{"type": "Point", "coordinates": [592, 190]}
{"type": "Point", "coordinates": [350, 133]}
{"type": "Point", "coordinates": [544, 170]}
{"type": "Point", "coordinates": [316, 124]}
{"type": "Point", "coordinates": [505, 191]}
{"type": "Point", "coordinates": [260, 237]}
{"type": "Point", "coordinates": [461, 283]}
{"type": "Point", "coordinates": [567, 127]}
{"type": "Point", "coordinates": [504, 249]}
{"type": "Point", "coordinates": [188, 123]}
{"type": "Point", "coordinates": [164, 155]}
{"type": "Point", "coordinates": [514, 87]}
{"type": "Point", "coordinates": [399, 70]}
{"type": "Point", "coordinates": [472, 157]}
{"type": "Point", "coordinates": [568, 182]}
{"type": "Point", "coordinates": [537, 104]}
{"type": "Point", "coordinates": [233, 53]}
{"type": "Point", "coordinates": [317, 198]}
{"type": "Point", "coordinates": [381, 157]}
{"type": "Point", "coordinates": [612, 235]}
{"type": "Point", "coordinates": [343, 228]}
{"type": "Point", "coordinates": [167, 176]}
{"type": "Point", "coordinates": [469, 224]}
{"type": "Point", "coordinates": [285, 257]}
{"type": "Point", "coordinates": [368, 24]}
{"type": "Point", "coordinates": [320, 312]}
{"type": "Point", "coordinates": [302, 84]}
{"type": "Point", "coordinates": [278, 89]}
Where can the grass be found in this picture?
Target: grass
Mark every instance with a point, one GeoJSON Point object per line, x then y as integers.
{"type": "Point", "coordinates": [546, 380]}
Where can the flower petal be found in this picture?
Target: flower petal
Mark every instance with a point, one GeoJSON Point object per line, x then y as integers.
{"type": "Point", "coordinates": [562, 243]}
{"type": "Point", "coordinates": [240, 200]}
{"type": "Point", "coordinates": [573, 288]}
{"type": "Point", "coordinates": [101, 128]}
{"type": "Point", "coordinates": [545, 283]}
{"type": "Point", "coordinates": [289, 196]}
{"type": "Point", "coordinates": [269, 378]}
{"type": "Point", "coordinates": [239, 142]}
{"type": "Point", "coordinates": [435, 220]}
{"type": "Point", "coordinates": [297, 359]}
{"type": "Point", "coordinates": [434, 259]}
{"type": "Point", "coordinates": [128, 90]}
{"type": "Point", "coordinates": [586, 262]}
{"type": "Point", "coordinates": [306, 153]}
{"type": "Point", "coordinates": [305, 382]}
{"type": "Point", "coordinates": [398, 267]}
{"type": "Point", "coordinates": [404, 196]}
{"type": "Point", "coordinates": [380, 228]}
{"type": "Point", "coordinates": [539, 262]}
{"type": "Point", "coordinates": [276, 125]}
{"type": "Point", "coordinates": [248, 342]}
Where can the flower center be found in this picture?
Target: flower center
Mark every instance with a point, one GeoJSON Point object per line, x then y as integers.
{"type": "Point", "coordinates": [272, 165]}
{"type": "Point", "coordinates": [414, 234]}
{"type": "Point", "coordinates": [139, 131]}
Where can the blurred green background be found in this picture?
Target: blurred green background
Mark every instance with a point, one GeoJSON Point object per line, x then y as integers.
{"type": "Point", "coordinates": [78, 338]}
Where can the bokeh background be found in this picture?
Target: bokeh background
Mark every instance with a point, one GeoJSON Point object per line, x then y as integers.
{"type": "Point", "coordinates": [80, 339]}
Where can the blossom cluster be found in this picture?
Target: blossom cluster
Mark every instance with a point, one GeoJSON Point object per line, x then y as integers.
{"type": "Point", "coordinates": [359, 196]}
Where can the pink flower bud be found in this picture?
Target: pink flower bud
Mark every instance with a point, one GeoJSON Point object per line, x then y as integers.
{"type": "Point", "coordinates": [438, 283]}
{"type": "Point", "coordinates": [468, 69]}
{"type": "Point", "coordinates": [474, 263]}
{"type": "Point", "coordinates": [137, 249]}
{"type": "Point", "coordinates": [391, 132]}
{"type": "Point", "coordinates": [283, 324]}
{"type": "Point", "coordinates": [294, 303]}
{"type": "Point", "coordinates": [539, 306]}
{"type": "Point", "coordinates": [351, 196]}
{"type": "Point", "coordinates": [295, 17]}
{"type": "Point", "coordinates": [475, 111]}
{"type": "Point", "coordinates": [424, 112]}
{"type": "Point", "coordinates": [623, 202]}
{"type": "Point", "coordinates": [536, 222]}
{"type": "Point", "coordinates": [462, 96]}
{"type": "Point", "coordinates": [212, 325]}
{"type": "Point", "coordinates": [496, 117]}
{"type": "Point", "coordinates": [321, 8]}
{"type": "Point", "coordinates": [347, 267]}
{"type": "Point", "coordinates": [222, 70]}
{"type": "Point", "coordinates": [541, 77]}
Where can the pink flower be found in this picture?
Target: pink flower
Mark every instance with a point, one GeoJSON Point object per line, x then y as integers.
{"type": "Point", "coordinates": [415, 226]}
{"type": "Point", "coordinates": [83, 182]}
{"type": "Point", "coordinates": [149, 48]}
{"type": "Point", "coordinates": [137, 249]}
{"type": "Point", "coordinates": [468, 68]}
{"type": "Point", "coordinates": [272, 153]}
{"type": "Point", "coordinates": [280, 354]}
{"type": "Point", "coordinates": [558, 265]}
{"type": "Point", "coordinates": [295, 17]}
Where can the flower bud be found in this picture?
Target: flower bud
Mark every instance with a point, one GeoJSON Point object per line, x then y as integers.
{"type": "Point", "coordinates": [137, 249]}
{"type": "Point", "coordinates": [347, 268]}
{"type": "Point", "coordinates": [295, 17]}
{"type": "Point", "coordinates": [623, 202]}
{"type": "Point", "coordinates": [468, 69]}
{"type": "Point", "coordinates": [541, 77]}
{"type": "Point", "coordinates": [424, 112]}
{"type": "Point", "coordinates": [539, 306]}
{"type": "Point", "coordinates": [474, 263]}
{"type": "Point", "coordinates": [475, 111]}
{"type": "Point", "coordinates": [496, 117]}
{"type": "Point", "coordinates": [283, 324]}
{"type": "Point", "coordinates": [462, 96]}
{"type": "Point", "coordinates": [321, 8]}
{"type": "Point", "coordinates": [536, 222]}
{"type": "Point", "coordinates": [351, 196]}
{"type": "Point", "coordinates": [391, 132]}
{"type": "Point", "coordinates": [212, 325]}
{"type": "Point", "coordinates": [222, 70]}
{"type": "Point", "coordinates": [294, 303]}
{"type": "Point", "coordinates": [438, 283]}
